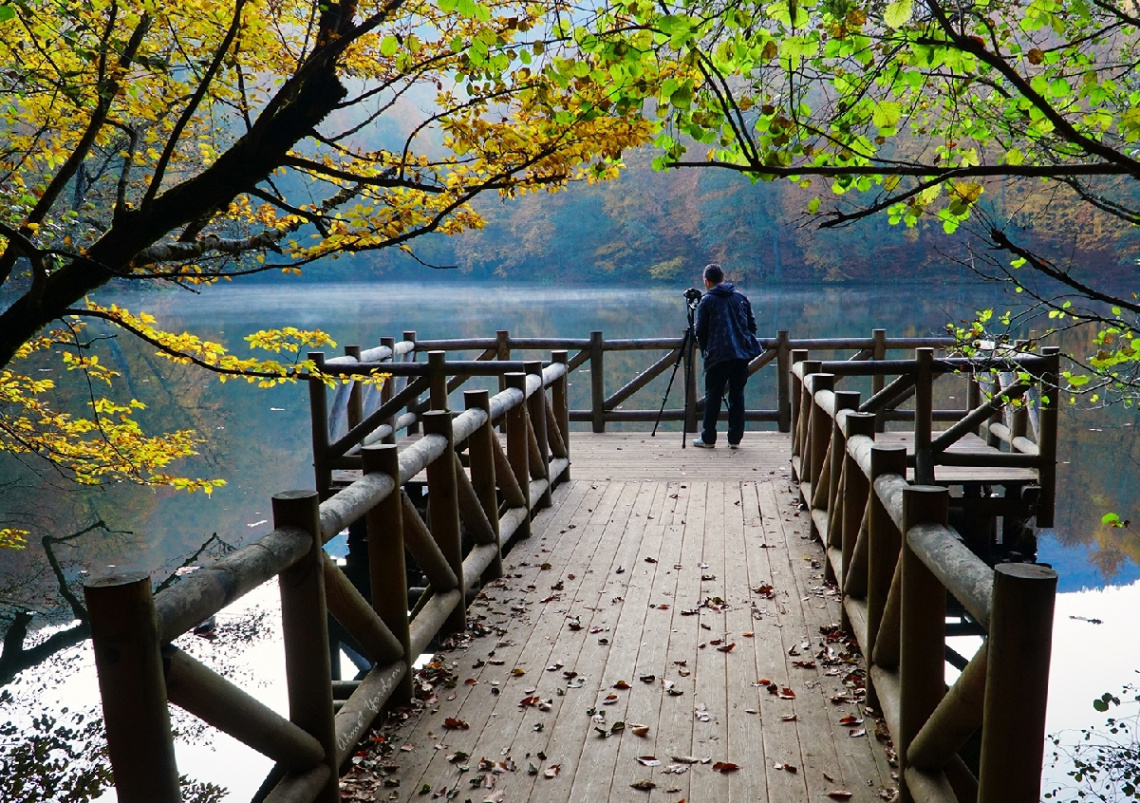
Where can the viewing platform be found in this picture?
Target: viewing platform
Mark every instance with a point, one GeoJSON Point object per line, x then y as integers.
{"type": "Point", "coordinates": [614, 617]}
{"type": "Point", "coordinates": [673, 590]}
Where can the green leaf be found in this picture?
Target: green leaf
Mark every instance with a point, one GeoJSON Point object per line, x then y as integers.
{"type": "Point", "coordinates": [7, 13]}
{"type": "Point", "coordinates": [898, 13]}
{"type": "Point", "coordinates": [389, 45]}
{"type": "Point", "coordinates": [886, 114]}
{"type": "Point", "coordinates": [813, 206]}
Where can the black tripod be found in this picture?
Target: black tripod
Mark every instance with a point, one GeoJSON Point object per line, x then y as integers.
{"type": "Point", "coordinates": [692, 298]}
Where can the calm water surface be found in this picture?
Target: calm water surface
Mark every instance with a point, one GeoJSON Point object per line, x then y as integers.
{"type": "Point", "coordinates": [259, 441]}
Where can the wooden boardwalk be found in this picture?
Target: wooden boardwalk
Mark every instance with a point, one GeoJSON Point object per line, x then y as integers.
{"type": "Point", "coordinates": [667, 625]}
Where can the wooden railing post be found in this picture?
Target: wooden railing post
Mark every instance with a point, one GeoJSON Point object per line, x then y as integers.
{"type": "Point", "coordinates": [414, 428]}
{"type": "Point", "coordinates": [481, 448]}
{"type": "Point", "coordinates": [1017, 683]}
{"type": "Point", "coordinates": [1047, 439]}
{"type": "Point", "coordinates": [854, 501]}
{"type": "Point", "coordinates": [783, 382]}
{"type": "Point", "coordinates": [437, 360]}
{"type": "Point", "coordinates": [443, 512]}
{"type": "Point", "coordinates": [560, 402]}
{"type": "Point", "coordinates": [304, 623]}
{"type": "Point", "coordinates": [502, 354]}
{"type": "Point", "coordinates": [536, 412]}
{"type": "Point", "coordinates": [922, 673]}
{"type": "Point", "coordinates": [319, 422]}
{"type": "Point", "coordinates": [819, 428]}
{"type": "Point", "coordinates": [355, 409]}
{"type": "Point", "coordinates": [518, 447]}
{"type": "Point", "coordinates": [128, 659]}
{"type": "Point", "coordinates": [878, 381]}
{"type": "Point", "coordinates": [884, 542]}
{"type": "Point", "coordinates": [597, 383]}
{"type": "Point", "coordinates": [796, 390]}
{"type": "Point", "coordinates": [388, 390]}
{"type": "Point", "coordinates": [924, 417]}
{"type": "Point", "coordinates": [387, 570]}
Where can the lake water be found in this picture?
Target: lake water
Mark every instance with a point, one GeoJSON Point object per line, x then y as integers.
{"type": "Point", "coordinates": [259, 441]}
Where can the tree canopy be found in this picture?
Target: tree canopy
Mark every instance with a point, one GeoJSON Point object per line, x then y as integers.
{"type": "Point", "coordinates": [912, 109]}
{"type": "Point", "coordinates": [188, 142]}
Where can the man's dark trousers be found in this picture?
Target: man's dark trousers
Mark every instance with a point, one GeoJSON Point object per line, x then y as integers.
{"type": "Point", "coordinates": [733, 373]}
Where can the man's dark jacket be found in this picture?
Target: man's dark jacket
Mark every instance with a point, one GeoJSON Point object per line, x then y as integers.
{"type": "Point", "coordinates": [726, 328]}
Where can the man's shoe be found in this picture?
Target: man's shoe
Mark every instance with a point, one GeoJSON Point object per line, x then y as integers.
{"type": "Point", "coordinates": [734, 446]}
{"type": "Point", "coordinates": [700, 444]}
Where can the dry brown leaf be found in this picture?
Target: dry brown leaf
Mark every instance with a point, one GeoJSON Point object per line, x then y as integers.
{"type": "Point", "coordinates": [638, 729]}
{"type": "Point", "coordinates": [644, 784]}
{"type": "Point", "coordinates": [839, 794]}
{"type": "Point", "coordinates": [725, 766]}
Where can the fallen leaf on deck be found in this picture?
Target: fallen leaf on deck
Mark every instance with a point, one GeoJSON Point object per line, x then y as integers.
{"type": "Point", "coordinates": [701, 713]}
{"type": "Point", "coordinates": [708, 577]}
{"type": "Point", "coordinates": [453, 723]}
{"type": "Point", "coordinates": [638, 729]}
{"type": "Point", "coordinates": [621, 684]}
{"type": "Point", "coordinates": [574, 624]}
{"type": "Point", "coordinates": [651, 560]}
{"type": "Point", "coordinates": [788, 718]}
{"type": "Point", "coordinates": [792, 768]}
{"type": "Point", "coordinates": [517, 671]}
{"type": "Point", "coordinates": [725, 766]}
{"type": "Point", "coordinates": [611, 699]}
{"type": "Point", "coordinates": [647, 678]}
{"type": "Point", "coordinates": [786, 694]}
{"type": "Point", "coordinates": [552, 770]}
{"type": "Point", "coordinates": [839, 794]}
{"type": "Point", "coordinates": [851, 720]}
{"type": "Point", "coordinates": [649, 761]}
{"type": "Point", "coordinates": [644, 785]}
{"type": "Point", "coordinates": [804, 664]}
{"type": "Point", "coordinates": [527, 701]}
{"type": "Point", "coordinates": [748, 634]}
{"type": "Point", "coordinates": [855, 734]}
{"type": "Point", "coordinates": [495, 797]}
{"type": "Point", "coordinates": [765, 590]}
{"type": "Point", "coordinates": [617, 727]}
{"type": "Point", "coordinates": [686, 759]}
{"type": "Point", "coordinates": [727, 647]}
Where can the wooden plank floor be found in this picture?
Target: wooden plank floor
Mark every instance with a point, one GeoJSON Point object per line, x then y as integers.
{"type": "Point", "coordinates": [667, 617]}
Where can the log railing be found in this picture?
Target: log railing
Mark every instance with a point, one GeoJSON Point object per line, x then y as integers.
{"type": "Point", "coordinates": [898, 563]}
{"type": "Point", "coordinates": [363, 413]}
{"type": "Point", "coordinates": [141, 671]}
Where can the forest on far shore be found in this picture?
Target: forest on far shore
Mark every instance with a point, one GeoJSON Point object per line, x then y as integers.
{"type": "Point", "coordinates": [650, 226]}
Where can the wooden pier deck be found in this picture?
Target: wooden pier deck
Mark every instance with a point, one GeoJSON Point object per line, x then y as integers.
{"type": "Point", "coordinates": [666, 626]}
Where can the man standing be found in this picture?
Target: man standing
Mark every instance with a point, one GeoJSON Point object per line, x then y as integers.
{"type": "Point", "coordinates": [726, 334]}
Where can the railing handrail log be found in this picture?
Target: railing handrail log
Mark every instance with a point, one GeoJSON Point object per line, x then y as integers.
{"type": "Point", "coordinates": [938, 366]}
{"type": "Point", "coordinates": [200, 595]}
{"type": "Point", "coordinates": [968, 579]}
{"type": "Point", "coordinates": [536, 416]}
{"type": "Point", "coordinates": [783, 387]}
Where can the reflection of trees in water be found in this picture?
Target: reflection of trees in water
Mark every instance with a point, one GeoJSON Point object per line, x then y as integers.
{"type": "Point", "coordinates": [53, 753]}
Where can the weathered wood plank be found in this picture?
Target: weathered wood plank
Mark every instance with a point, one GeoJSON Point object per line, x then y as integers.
{"type": "Point", "coordinates": [727, 516]}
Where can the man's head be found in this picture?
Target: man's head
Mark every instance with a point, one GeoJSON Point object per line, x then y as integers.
{"type": "Point", "coordinates": [713, 275]}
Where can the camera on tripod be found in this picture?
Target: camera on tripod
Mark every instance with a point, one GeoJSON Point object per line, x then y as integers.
{"type": "Point", "coordinates": [693, 296]}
